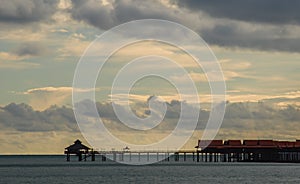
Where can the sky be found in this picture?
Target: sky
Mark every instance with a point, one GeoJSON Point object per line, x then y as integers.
{"type": "Point", "coordinates": [256, 42]}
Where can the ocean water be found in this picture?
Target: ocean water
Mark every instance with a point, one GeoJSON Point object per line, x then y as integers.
{"type": "Point", "coordinates": [54, 169]}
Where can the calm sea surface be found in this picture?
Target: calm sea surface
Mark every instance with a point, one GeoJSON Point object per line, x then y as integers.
{"type": "Point", "coordinates": [54, 169]}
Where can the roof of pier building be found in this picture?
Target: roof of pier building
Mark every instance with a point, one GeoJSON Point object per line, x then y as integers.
{"type": "Point", "coordinates": [77, 146]}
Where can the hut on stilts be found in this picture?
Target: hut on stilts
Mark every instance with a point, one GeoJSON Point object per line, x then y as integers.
{"type": "Point", "coordinates": [80, 150]}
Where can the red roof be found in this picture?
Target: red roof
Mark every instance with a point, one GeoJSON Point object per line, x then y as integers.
{"type": "Point", "coordinates": [250, 142]}
{"type": "Point", "coordinates": [209, 143]}
{"type": "Point", "coordinates": [216, 143]}
{"type": "Point", "coordinates": [266, 142]}
{"type": "Point", "coordinates": [287, 144]}
{"type": "Point", "coordinates": [297, 144]}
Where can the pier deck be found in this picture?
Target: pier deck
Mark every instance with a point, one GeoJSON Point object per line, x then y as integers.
{"type": "Point", "coordinates": [205, 151]}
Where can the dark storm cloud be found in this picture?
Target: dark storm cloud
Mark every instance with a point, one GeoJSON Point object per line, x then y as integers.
{"type": "Point", "coordinates": [250, 32]}
{"type": "Point", "coordinates": [117, 12]}
{"type": "Point", "coordinates": [229, 35]}
{"type": "Point", "coordinates": [255, 12]}
{"type": "Point", "coordinates": [265, 11]}
{"type": "Point", "coordinates": [30, 49]}
{"type": "Point", "coordinates": [94, 13]}
{"type": "Point", "coordinates": [25, 11]}
{"type": "Point", "coordinates": [135, 9]}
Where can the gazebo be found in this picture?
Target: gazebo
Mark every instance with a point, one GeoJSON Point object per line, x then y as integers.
{"type": "Point", "coordinates": [78, 149]}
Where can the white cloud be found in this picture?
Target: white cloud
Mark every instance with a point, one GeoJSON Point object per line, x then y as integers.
{"type": "Point", "coordinates": [236, 97]}
{"type": "Point", "coordinates": [78, 36]}
{"type": "Point", "coordinates": [59, 31]}
{"type": "Point", "coordinates": [42, 98]}
{"type": "Point", "coordinates": [229, 64]}
{"type": "Point", "coordinates": [49, 89]}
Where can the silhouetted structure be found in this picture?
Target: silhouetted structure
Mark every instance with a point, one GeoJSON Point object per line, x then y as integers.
{"type": "Point", "coordinates": [206, 151]}
{"type": "Point", "coordinates": [249, 150]}
{"type": "Point", "coordinates": [79, 149]}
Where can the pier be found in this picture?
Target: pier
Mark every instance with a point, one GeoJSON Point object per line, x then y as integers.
{"type": "Point", "coordinates": [250, 150]}
{"type": "Point", "coordinates": [205, 151]}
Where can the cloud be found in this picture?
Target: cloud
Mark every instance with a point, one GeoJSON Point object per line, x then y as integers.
{"type": "Point", "coordinates": [14, 59]}
{"type": "Point", "coordinates": [107, 15]}
{"type": "Point", "coordinates": [272, 11]}
{"type": "Point", "coordinates": [262, 37]}
{"type": "Point", "coordinates": [30, 49]}
{"type": "Point", "coordinates": [229, 65]}
{"type": "Point", "coordinates": [26, 11]}
{"type": "Point", "coordinates": [283, 99]}
{"type": "Point", "coordinates": [260, 120]}
{"type": "Point", "coordinates": [93, 12]}
{"type": "Point", "coordinates": [242, 120]}
{"type": "Point", "coordinates": [22, 117]}
{"type": "Point", "coordinates": [43, 98]}
{"type": "Point", "coordinates": [223, 24]}
{"type": "Point", "coordinates": [78, 36]}
{"type": "Point", "coordinates": [10, 60]}
{"type": "Point", "coordinates": [213, 76]}
{"type": "Point", "coordinates": [6, 56]}
{"type": "Point", "coordinates": [48, 89]}
{"type": "Point", "coordinates": [56, 89]}
{"type": "Point", "coordinates": [59, 31]}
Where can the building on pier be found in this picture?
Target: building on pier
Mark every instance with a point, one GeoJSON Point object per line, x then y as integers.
{"type": "Point", "coordinates": [250, 150]}
{"type": "Point", "coordinates": [79, 150]}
